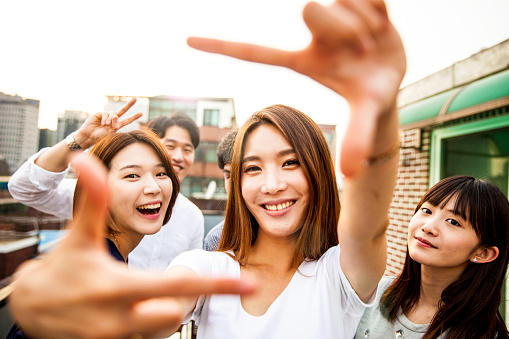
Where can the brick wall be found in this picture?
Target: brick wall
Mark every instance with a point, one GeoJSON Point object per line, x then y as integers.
{"type": "Point", "coordinates": [411, 184]}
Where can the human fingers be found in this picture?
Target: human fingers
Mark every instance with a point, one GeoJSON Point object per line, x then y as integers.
{"type": "Point", "coordinates": [130, 119]}
{"type": "Point", "coordinates": [155, 318]}
{"type": "Point", "coordinates": [372, 15]}
{"type": "Point", "coordinates": [359, 136]}
{"type": "Point", "coordinates": [115, 123]}
{"type": "Point", "coordinates": [335, 25]}
{"type": "Point", "coordinates": [126, 107]}
{"type": "Point", "coordinates": [104, 118]}
{"type": "Point", "coordinates": [243, 51]}
{"type": "Point", "coordinates": [92, 210]}
{"type": "Point", "coordinates": [141, 286]}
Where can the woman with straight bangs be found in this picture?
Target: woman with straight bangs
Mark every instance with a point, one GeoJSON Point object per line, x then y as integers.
{"type": "Point", "coordinates": [456, 261]}
{"type": "Point", "coordinates": [319, 229]}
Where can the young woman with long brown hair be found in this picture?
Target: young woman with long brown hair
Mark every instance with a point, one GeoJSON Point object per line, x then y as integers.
{"type": "Point", "coordinates": [316, 268]}
{"type": "Point", "coordinates": [455, 266]}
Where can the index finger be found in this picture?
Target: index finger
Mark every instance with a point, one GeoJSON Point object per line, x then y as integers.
{"type": "Point", "coordinates": [144, 286]}
{"type": "Point", "coordinates": [126, 107]}
{"type": "Point", "coordinates": [242, 51]}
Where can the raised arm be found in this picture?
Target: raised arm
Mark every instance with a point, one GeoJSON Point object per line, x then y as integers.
{"type": "Point", "coordinates": [79, 291]}
{"type": "Point", "coordinates": [40, 183]}
{"type": "Point", "coordinates": [356, 52]}
{"type": "Point", "coordinates": [95, 127]}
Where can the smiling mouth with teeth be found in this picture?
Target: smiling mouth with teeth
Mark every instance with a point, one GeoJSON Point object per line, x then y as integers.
{"type": "Point", "coordinates": [149, 209]}
{"type": "Point", "coordinates": [279, 207]}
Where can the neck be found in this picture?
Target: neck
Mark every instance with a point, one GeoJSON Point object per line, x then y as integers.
{"type": "Point", "coordinates": [125, 244]}
{"type": "Point", "coordinates": [266, 248]}
{"type": "Point", "coordinates": [434, 280]}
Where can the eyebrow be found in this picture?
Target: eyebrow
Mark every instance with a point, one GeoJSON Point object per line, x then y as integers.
{"type": "Point", "coordinates": [175, 141]}
{"type": "Point", "coordinates": [279, 154]}
{"type": "Point", "coordinates": [137, 166]}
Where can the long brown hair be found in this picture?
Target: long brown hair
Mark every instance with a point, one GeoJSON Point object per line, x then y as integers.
{"type": "Point", "coordinates": [109, 146]}
{"type": "Point", "coordinates": [319, 229]}
{"type": "Point", "coordinates": [469, 306]}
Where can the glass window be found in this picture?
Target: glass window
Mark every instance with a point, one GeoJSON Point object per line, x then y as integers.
{"type": "Point", "coordinates": [210, 155]}
{"type": "Point", "coordinates": [211, 117]}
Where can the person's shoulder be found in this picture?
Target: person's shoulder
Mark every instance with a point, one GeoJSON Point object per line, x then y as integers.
{"type": "Point", "coordinates": [385, 282]}
{"type": "Point", "coordinates": [216, 230]}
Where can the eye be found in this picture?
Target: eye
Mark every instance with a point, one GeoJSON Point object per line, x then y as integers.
{"type": "Point", "coordinates": [131, 176]}
{"type": "Point", "coordinates": [453, 222]}
{"type": "Point", "coordinates": [170, 146]}
{"type": "Point", "coordinates": [188, 150]}
{"type": "Point", "coordinates": [252, 169]}
{"type": "Point", "coordinates": [425, 210]}
{"type": "Point", "coordinates": [161, 174]}
{"type": "Point", "coordinates": [292, 162]}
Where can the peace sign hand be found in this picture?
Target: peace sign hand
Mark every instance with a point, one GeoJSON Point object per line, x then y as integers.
{"type": "Point", "coordinates": [103, 123]}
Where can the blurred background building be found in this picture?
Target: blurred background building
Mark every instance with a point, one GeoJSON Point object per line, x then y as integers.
{"type": "Point", "coordinates": [19, 134]}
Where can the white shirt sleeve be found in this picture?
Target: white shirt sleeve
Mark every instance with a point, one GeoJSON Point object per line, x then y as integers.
{"type": "Point", "coordinates": [49, 192]}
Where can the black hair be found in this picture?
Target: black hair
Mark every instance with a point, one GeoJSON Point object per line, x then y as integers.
{"type": "Point", "coordinates": [160, 124]}
{"type": "Point", "coordinates": [225, 149]}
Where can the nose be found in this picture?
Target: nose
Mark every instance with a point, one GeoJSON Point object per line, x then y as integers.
{"type": "Point", "coordinates": [151, 186]}
{"type": "Point", "coordinates": [429, 228]}
{"type": "Point", "coordinates": [274, 182]}
{"type": "Point", "coordinates": [176, 155]}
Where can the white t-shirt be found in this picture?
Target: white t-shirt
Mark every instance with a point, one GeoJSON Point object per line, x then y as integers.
{"type": "Point", "coordinates": [374, 324]}
{"type": "Point", "coordinates": [317, 303]}
{"type": "Point", "coordinates": [52, 193]}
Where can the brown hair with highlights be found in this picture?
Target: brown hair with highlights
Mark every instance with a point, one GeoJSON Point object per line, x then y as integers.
{"type": "Point", "coordinates": [319, 230]}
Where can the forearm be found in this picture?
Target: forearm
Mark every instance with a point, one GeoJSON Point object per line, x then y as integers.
{"type": "Point", "coordinates": [364, 214]}
{"type": "Point", "coordinates": [46, 191]}
{"type": "Point", "coordinates": [367, 196]}
{"type": "Point", "coordinates": [56, 158]}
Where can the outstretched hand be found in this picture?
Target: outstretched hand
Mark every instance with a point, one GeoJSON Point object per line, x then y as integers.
{"type": "Point", "coordinates": [79, 291]}
{"type": "Point", "coordinates": [355, 51]}
{"type": "Point", "coordinates": [103, 123]}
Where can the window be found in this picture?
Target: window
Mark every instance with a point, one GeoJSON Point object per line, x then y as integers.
{"type": "Point", "coordinates": [206, 152]}
{"type": "Point", "coordinates": [210, 155]}
{"type": "Point", "coordinates": [211, 117]}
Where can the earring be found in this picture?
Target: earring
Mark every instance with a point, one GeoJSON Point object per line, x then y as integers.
{"type": "Point", "coordinates": [475, 259]}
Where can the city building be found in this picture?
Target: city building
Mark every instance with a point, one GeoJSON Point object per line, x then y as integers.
{"type": "Point", "coordinates": [330, 134]}
{"type": "Point", "coordinates": [69, 122]}
{"type": "Point", "coordinates": [47, 138]}
{"type": "Point", "coordinates": [19, 135]}
{"type": "Point", "coordinates": [215, 117]}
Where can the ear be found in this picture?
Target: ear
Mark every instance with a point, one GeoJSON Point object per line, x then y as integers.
{"type": "Point", "coordinates": [485, 255]}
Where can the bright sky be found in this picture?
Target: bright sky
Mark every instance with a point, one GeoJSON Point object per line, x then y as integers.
{"type": "Point", "coordinates": [70, 54]}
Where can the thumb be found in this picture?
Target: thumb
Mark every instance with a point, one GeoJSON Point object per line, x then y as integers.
{"type": "Point", "coordinates": [359, 137]}
{"type": "Point", "coordinates": [92, 196]}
